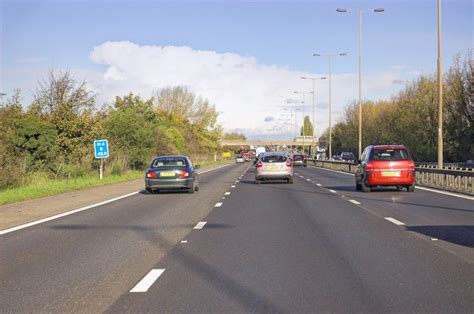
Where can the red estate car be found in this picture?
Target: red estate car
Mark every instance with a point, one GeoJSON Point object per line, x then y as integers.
{"type": "Point", "coordinates": [385, 165]}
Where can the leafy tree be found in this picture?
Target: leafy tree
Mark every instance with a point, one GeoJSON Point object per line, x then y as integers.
{"type": "Point", "coordinates": [234, 136]}
{"type": "Point", "coordinates": [307, 128]}
{"type": "Point", "coordinates": [194, 117]}
{"type": "Point", "coordinates": [411, 118]}
{"type": "Point", "coordinates": [11, 161]}
{"type": "Point", "coordinates": [130, 128]}
{"type": "Point", "coordinates": [68, 105]}
{"type": "Point", "coordinates": [36, 140]}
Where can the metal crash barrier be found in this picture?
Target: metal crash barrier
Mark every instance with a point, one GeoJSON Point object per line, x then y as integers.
{"type": "Point", "coordinates": [461, 181]}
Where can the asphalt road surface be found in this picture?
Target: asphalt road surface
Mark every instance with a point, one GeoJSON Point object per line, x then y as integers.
{"type": "Point", "coordinates": [313, 246]}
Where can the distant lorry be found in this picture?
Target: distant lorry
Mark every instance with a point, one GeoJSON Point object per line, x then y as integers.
{"type": "Point", "coordinates": [258, 151]}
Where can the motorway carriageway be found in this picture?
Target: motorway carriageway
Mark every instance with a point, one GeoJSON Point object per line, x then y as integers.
{"type": "Point", "coordinates": [313, 246]}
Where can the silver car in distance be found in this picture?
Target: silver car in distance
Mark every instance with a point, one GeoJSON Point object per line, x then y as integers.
{"type": "Point", "coordinates": [274, 166]}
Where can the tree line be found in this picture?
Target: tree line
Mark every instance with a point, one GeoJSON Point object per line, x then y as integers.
{"type": "Point", "coordinates": [53, 136]}
{"type": "Point", "coordinates": [411, 117]}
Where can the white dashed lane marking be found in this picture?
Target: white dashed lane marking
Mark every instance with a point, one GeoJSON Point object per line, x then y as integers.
{"type": "Point", "coordinates": [318, 184]}
{"type": "Point", "coordinates": [200, 225]}
{"type": "Point", "coordinates": [148, 280]}
{"type": "Point", "coordinates": [184, 241]}
{"type": "Point", "coordinates": [332, 191]}
{"type": "Point", "coordinates": [232, 186]}
{"type": "Point", "coordinates": [308, 179]}
{"type": "Point", "coordinates": [227, 193]}
{"type": "Point", "coordinates": [218, 205]}
{"type": "Point", "coordinates": [394, 221]}
{"type": "Point", "coordinates": [355, 202]}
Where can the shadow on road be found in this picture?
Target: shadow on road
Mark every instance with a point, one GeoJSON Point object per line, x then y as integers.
{"type": "Point", "coordinates": [136, 228]}
{"type": "Point", "coordinates": [389, 192]}
{"type": "Point", "coordinates": [457, 234]}
{"type": "Point", "coordinates": [177, 191]}
{"type": "Point", "coordinates": [264, 182]}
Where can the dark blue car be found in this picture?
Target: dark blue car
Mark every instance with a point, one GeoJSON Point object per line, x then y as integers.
{"type": "Point", "coordinates": [171, 173]}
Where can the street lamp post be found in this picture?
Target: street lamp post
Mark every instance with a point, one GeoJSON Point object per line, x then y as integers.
{"type": "Point", "coordinates": [359, 13]}
{"type": "Point", "coordinates": [313, 79]}
{"type": "Point", "coordinates": [303, 102]}
{"type": "Point", "coordinates": [330, 99]}
{"type": "Point", "coordinates": [440, 93]}
{"type": "Point", "coordinates": [293, 101]}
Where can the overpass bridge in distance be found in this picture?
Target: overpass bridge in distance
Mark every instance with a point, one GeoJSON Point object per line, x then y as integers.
{"type": "Point", "coordinates": [308, 142]}
{"type": "Point", "coordinates": [263, 143]}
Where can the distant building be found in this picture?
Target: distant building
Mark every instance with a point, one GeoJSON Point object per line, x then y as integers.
{"type": "Point", "coordinates": [307, 139]}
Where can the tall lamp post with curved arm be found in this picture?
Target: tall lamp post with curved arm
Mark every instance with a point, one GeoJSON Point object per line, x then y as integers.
{"type": "Point", "coordinates": [329, 56]}
{"type": "Point", "coordinates": [313, 79]}
{"type": "Point", "coordinates": [359, 13]}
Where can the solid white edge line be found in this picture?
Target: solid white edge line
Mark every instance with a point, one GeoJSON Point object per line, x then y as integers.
{"type": "Point", "coordinates": [444, 192]}
{"type": "Point", "coordinates": [40, 221]}
{"type": "Point", "coordinates": [200, 225]}
{"type": "Point", "coordinates": [218, 204]}
{"type": "Point", "coordinates": [346, 173]}
{"type": "Point", "coordinates": [354, 202]}
{"type": "Point", "coordinates": [394, 221]}
{"type": "Point", "coordinates": [332, 191]}
{"type": "Point", "coordinates": [147, 281]}
{"type": "Point", "coordinates": [37, 222]}
{"type": "Point", "coordinates": [209, 170]}
{"type": "Point", "coordinates": [227, 193]}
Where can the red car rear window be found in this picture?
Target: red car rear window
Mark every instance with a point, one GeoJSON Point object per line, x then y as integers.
{"type": "Point", "coordinates": [390, 154]}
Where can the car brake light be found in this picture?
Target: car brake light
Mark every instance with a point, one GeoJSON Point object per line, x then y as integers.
{"type": "Point", "coordinates": [151, 174]}
{"type": "Point", "coordinates": [411, 168]}
{"type": "Point", "coordinates": [289, 164]}
{"type": "Point", "coordinates": [184, 174]}
{"type": "Point", "coordinates": [259, 164]}
{"type": "Point", "coordinates": [369, 168]}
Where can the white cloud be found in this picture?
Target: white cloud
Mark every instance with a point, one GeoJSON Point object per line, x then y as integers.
{"type": "Point", "coordinates": [244, 90]}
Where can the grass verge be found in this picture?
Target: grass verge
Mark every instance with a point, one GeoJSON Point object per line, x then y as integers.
{"type": "Point", "coordinates": [47, 187]}
{"type": "Point", "coordinates": [43, 186]}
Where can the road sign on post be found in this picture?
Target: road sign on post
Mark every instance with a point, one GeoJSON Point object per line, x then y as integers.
{"type": "Point", "coordinates": [101, 151]}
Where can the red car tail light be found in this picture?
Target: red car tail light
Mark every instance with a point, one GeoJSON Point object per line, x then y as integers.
{"type": "Point", "coordinates": [259, 164]}
{"type": "Point", "coordinates": [184, 174]}
{"type": "Point", "coordinates": [151, 175]}
{"type": "Point", "coordinates": [289, 164]}
{"type": "Point", "coordinates": [411, 168]}
{"type": "Point", "coordinates": [369, 168]}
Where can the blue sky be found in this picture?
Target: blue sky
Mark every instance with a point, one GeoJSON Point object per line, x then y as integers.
{"type": "Point", "coordinates": [397, 44]}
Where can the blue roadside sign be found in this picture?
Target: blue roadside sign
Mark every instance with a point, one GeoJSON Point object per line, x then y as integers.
{"type": "Point", "coordinates": [101, 148]}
